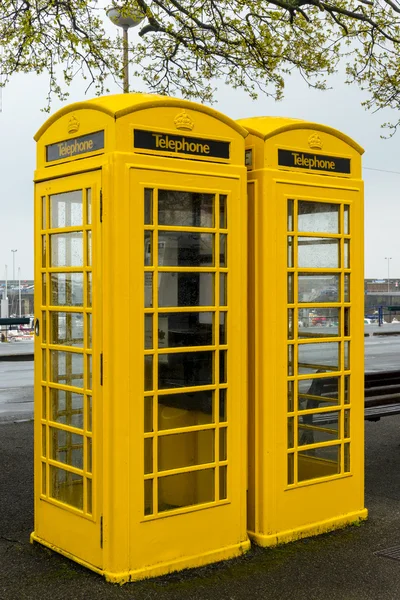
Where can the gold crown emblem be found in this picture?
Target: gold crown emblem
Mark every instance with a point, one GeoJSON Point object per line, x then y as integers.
{"type": "Point", "coordinates": [73, 125]}
{"type": "Point", "coordinates": [314, 141]}
{"type": "Point", "coordinates": [183, 121]}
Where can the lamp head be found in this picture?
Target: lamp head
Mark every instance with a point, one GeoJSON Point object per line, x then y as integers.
{"type": "Point", "coordinates": [125, 19]}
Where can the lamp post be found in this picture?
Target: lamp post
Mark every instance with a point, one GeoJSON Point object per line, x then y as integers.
{"type": "Point", "coordinates": [14, 251]}
{"type": "Point", "coordinates": [126, 20]}
{"type": "Point", "coordinates": [388, 258]}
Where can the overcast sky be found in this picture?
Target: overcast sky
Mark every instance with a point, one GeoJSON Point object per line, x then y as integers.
{"type": "Point", "coordinates": [340, 108]}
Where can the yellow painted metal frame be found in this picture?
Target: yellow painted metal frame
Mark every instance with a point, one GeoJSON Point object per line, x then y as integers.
{"type": "Point", "coordinates": [119, 540]}
{"type": "Point", "coordinates": [281, 508]}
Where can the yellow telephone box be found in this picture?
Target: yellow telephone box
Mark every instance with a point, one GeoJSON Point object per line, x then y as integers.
{"type": "Point", "coordinates": [141, 335]}
{"type": "Point", "coordinates": [306, 353]}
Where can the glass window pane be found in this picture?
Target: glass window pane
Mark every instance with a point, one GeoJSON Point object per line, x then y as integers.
{"type": "Point", "coordinates": [186, 489]}
{"type": "Point", "coordinates": [347, 458]}
{"type": "Point", "coordinates": [185, 209]}
{"type": "Point", "coordinates": [148, 289]}
{"type": "Point", "coordinates": [290, 288]}
{"type": "Point", "coordinates": [223, 292]}
{"type": "Point", "coordinates": [318, 253]}
{"type": "Point", "coordinates": [66, 209]}
{"type": "Point", "coordinates": [66, 249]}
{"type": "Point", "coordinates": [290, 442]}
{"type": "Point", "coordinates": [346, 365]}
{"type": "Point", "coordinates": [185, 410]}
{"type": "Point", "coordinates": [223, 443]}
{"type": "Point", "coordinates": [66, 329]}
{"type": "Point", "coordinates": [346, 257]}
{"type": "Point", "coordinates": [321, 391]}
{"type": "Point", "coordinates": [185, 329]}
{"type": "Point", "coordinates": [89, 289]}
{"type": "Point", "coordinates": [66, 368]}
{"type": "Point", "coordinates": [318, 462]}
{"type": "Point", "coordinates": [148, 248]}
{"type": "Point", "coordinates": [223, 251]}
{"type": "Point", "coordinates": [66, 447]}
{"type": "Point", "coordinates": [43, 251]}
{"type": "Point", "coordinates": [89, 413]}
{"type": "Point", "coordinates": [222, 211]}
{"type": "Point", "coordinates": [148, 497]}
{"type": "Point", "coordinates": [223, 484]}
{"type": "Point", "coordinates": [185, 369]}
{"type": "Point", "coordinates": [185, 249]}
{"type": "Point", "coordinates": [89, 248]}
{"type": "Point", "coordinates": [89, 329]}
{"type": "Point", "coordinates": [223, 406]}
{"type": "Point", "coordinates": [290, 469]}
{"type": "Point", "coordinates": [44, 327]}
{"type": "Point", "coordinates": [318, 358]}
{"type": "Point", "coordinates": [44, 296]}
{"type": "Point", "coordinates": [66, 289]}
{"type": "Point", "coordinates": [223, 327]}
{"type": "Point", "coordinates": [89, 457]}
{"type": "Point", "coordinates": [346, 228]}
{"type": "Point", "coordinates": [185, 289]}
{"type": "Point", "coordinates": [223, 366]}
{"type": "Point", "coordinates": [318, 322]}
{"type": "Point", "coordinates": [148, 206]}
{"type": "Point", "coordinates": [318, 217]}
{"type": "Point", "coordinates": [148, 414]}
{"type": "Point", "coordinates": [66, 408]}
{"type": "Point", "coordinates": [290, 396]}
{"type": "Point", "coordinates": [346, 427]}
{"type": "Point", "coordinates": [66, 487]}
{"type": "Point", "coordinates": [44, 212]}
{"type": "Point", "coordinates": [318, 428]}
{"type": "Point", "coordinates": [290, 210]}
{"type": "Point", "coordinates": [148, 373]}
{"type": "Point", "coordinates": [347, 389]}
{"type": "Point", "coordinates": [290, 360]}
{"type": "Point", "coordinates": [148, 332]}
{"type": "Point", "coordinates": [185, 449]}
{"type": "Point", "coordinates": [89, 206]}
{"type": "Point", "coordinates": [290, 259]}
{"type": "Point", "coordinates": [148, 456]}
{"type": "Point", "coordinates": [89, 488]}
{"type": "Point", "coordinates": [318, 287]}
{"type": "Point", "coordinates": [347, 287]}
{"type": "Point", "coordinates": [290, 324]}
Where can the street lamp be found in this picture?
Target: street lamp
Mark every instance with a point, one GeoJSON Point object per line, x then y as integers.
{"type": "Point", "coordinates": [388, 258]}
{"type": "Point", "coordinates": [14, 251]}
{"type": "Point", "coordinates": [126, 20]}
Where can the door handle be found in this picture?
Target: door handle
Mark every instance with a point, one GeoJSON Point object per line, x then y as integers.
{"type": "Point", "coordinates": [37, 327]}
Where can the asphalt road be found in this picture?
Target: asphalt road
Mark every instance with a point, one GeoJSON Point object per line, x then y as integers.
{"type": "Point", "coordinates": [16, 378]}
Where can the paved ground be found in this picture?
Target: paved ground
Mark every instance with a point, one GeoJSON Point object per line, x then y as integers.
{"type": "Point", "coordinates": [336, 566]}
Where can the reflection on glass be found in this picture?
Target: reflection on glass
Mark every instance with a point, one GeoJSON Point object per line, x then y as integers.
{"type": "Point", "coordinates": [222, 211]}
{"type": "Point", "coordinates": [148, 373]}
{"type": "Point", "coordinates": [223, 317]}
{"type": "Point", "coordinates": [185, 249]}
{"type": "Point", "coordinates": [290, 259]}
{"type": "Point", "coordinates": [346, 228]}
{"type": "Point", "coordinates": [148, 290]}
{"type": "Point", "coordinates": [185, 329]}
{"type": "Point", "coordinates": [66, 408]}
{"type": "Point", "coordinates": [318, 357]}
{"type": "Point", "coordinates": [290, 323]}
{"type": "Point", "coordinates": [318, 217]}
{"type": "Point", "coordinates": [185, 209]}
{"type": "Point", "coordinates": [223, 259]}
{"type": "Point", "coordinates": [185, 289]}
{"type": "Point", "coordinates": [290, 443]}
{"type": "Point", "coordinates": [185, 449]}
{"type": "Point", "coordinates": [347, 321]}
{"type": "Point", "coordinates": [66, 249]}
{"type": "Point", "coordinates": [148, 414]}
{"type": "Point", "coordinates": [89, 206]}
{"type": "Point", "coordinates": [148, 248]}
{"type": "Point", "coordinates": [44, 220]}
{"type": "Point", "coordinates": [347, 458]}
{"type": "Point", "coordinates": [223, 486]}
{"type": "Point", "coordinates": [66, 209]}
{"type": "Point", "coordinates": [346, 365]}
{"type": "Point", "coordinates": [89, 248]}
{"type": "Point", "coordinates": [290, 215]}
{"type": "Point", "coordinates": [347, 389]}
{"type": "Point", "coordinates": [185, 369]}
{"type": "Point", "coordinates": [148, 497]}
{"type": "Point", "coordinates": [223, 295]}
{"type": "Point", "coordinates": [290, 360]}
{"type": "Point", "coordinates": [290, 396]}
{"type": "Point", "coordinates": [347, 287]}
{"type": "Point", "coordinates": [318, 462]}
{"type": "Point", "coordinates": [148, 332]}
{"type": "Point", "coordinates": [346, 257]}
{"type": "Point", "coordinates": [318, 252]}
{"type": "Point", "coordinates": [148, 456]}
{"type": "Point", "coordinates": [318, 322]}
{"type": "Point", "coordinates": [43, 250]}
{"type": "Point", "coordinates": [185, 410]}
{"type": "Point", "coordinates": [89, 289]}
{"type": "Point", "coordinates": [318, 392]}
{"type": "Point", "coordinates": [89, 329]}
{"type": "Point", "coordinates": [66, 289]}
{"type": "Point", "coordinates": [223, 407]}
{"type": "Point", "coordinates": [66, 487]}
{"type": "Point", "coordinates": [148, 206]}
{"type": "Point", "coordinates": [318, 287]}
{"type": "Point", "coordinates": [318, 428]}
{"type": "Point", "coordinates": [290, 288]}
{"type": "Point", "coordinates": [89, 371]}
{"type": "Point", "coordinates": [66, 368]}
{"type": "Point", "coordinates": [290, 469]}
{"type": "Point", "coordinates": [66, 447]}
{"type": "Point", "coordinates": [223, 443]}
{"type": "Point", "coordinates": [44, 295]}
{"type": "Point", "coordinates": [66, 329]}
{"type": "Point", "coordinates": [186, 489]}
{"type": "Point", "coordinates": [346, 423]}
